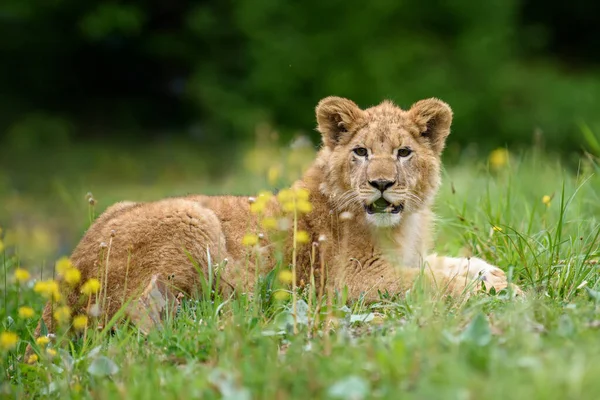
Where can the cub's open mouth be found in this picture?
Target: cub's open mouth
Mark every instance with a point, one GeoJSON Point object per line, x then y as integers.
{"type": "Point", "coordinates": [382, 206]}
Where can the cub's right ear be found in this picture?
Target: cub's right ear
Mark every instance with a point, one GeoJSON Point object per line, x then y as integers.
{"type": "Point", "coordinates": [336, 118]}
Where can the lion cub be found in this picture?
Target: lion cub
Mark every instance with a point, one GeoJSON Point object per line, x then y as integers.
{"type": "Point", "coordinates": [371, 190]}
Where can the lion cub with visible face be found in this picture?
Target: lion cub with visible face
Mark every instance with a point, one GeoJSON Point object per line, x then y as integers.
{"type": "Point", "coordinates": [371, 188]}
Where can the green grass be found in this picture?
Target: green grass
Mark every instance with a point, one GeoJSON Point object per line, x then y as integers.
{"type": "Point", "coordinates": [409, 346]}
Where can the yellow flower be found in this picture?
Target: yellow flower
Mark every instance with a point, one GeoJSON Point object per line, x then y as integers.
{"type": "Point", "coordinates": [286, 276]}
{"type": "Point", "coordinates": [8, 340]}
{"type": "Point", "coordinates": [304, 206]}
{"type": "Point", "coordinates": [265, 196]}
{"type": "Point", "coordinates": [62, 314]}
{"type": "Point", "coordinates": [302, 237]}
{"type": "Point", "coordinates": [250, 240]}
{"type": "Point", "coordinates": [546, 200]}
{"type": "Point", "coordinates": [48, 289]}
{"type": "Point", "coordinates": [42, 341]}
{"type": "Point", "coordinates": [51, 352]}
{"type": "Point", "coordinates": [269, 223]}
{"type": "Point", "coordinates": [1, 246]}
{"type": "Point", "coordinates": [80, 322]}
{"type": "Point", "coordinates": [302, 194]}
{"type": "Point", "coordinates": [281, 295]}
{"type": "Point", "coordinates": [26, 312]}
{"type": "Point", "coordinates": [63, 264]}
{"type": "Point", "coordinates": [285, 195]}
{"type": "Point", "coordinates": [273, 174]}
{"type": "Point", "coordinates": [32, 359]}
{"type": "Point", "coordinates": [72, 276]}
{"type": "Point", "coordinates": [22, 275]}
{"type": "Point", "coordinates": [257, 207]}
{"type": "Point", "coordinates": [90, 287]}
{"type": "Point", "coordinates": [497, 228]}
{"type": "Point", "coordinates": [289, 206]}
{"type": "Point", "coordinates": [498, 158]}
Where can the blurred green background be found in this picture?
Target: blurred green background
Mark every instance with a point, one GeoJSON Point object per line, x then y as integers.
{"type": "Point", "coordinates": [515, 71]}
{"type": "Point", "coordinates": [142, 99]}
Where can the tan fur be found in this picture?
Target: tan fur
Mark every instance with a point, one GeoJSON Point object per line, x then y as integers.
{"type": "Point", "coordinates": [366, 253]}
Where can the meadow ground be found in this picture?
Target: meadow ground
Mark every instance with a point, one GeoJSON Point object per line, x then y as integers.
{"type": "Point", "coordinates": [536, 218]}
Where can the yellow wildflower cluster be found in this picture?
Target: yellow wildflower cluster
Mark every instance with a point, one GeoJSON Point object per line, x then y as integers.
{"type": "Point", "coordinates": [269, 223]}
{"type": "Point", "coordinates": [8, 340]}
{"type": "Point", "coordinates": [302, 237]}
{"type": "Point", "coordinates": [65, 268]}
{"type": "Point", "coordinates": [48, 289]}
{"type": "Point", "coordinates": [26, 312]}
{"type": "Point", "coordinates": [42, 341]}
{"type": "Point", "coordinates": [90, 287]}
{"type": "Point", "coordinates": [250, 239]}
{"type": "Point", "coordinates": [80, 322]}
{"type": "Point", "coordinates": [286, 276]}
{"type": "Point", "coordinates": [32, 359]}
{"type": "Point", "coordinates": [62, 314]}
{"type": "Point", "coordinates": [498, 158]}
{"type": "Point", "coordinates": [293, 200]}
{"type": "Point", "coordinates": [22, 275]}
{"type": "Point", "coordinates": [547, 200]}
{"type": "Point", "coordinates": [259, 203]}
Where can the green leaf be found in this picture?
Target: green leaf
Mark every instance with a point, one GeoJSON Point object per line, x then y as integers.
{"type": "Point", "coordinates": [478, 332]}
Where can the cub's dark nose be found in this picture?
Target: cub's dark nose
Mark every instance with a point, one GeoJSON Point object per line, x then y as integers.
{"type": "Point", "coordinates": [381, 184]}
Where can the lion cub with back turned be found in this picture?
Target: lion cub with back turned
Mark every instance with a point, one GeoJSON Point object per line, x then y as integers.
{"type": "Point", "coordinates": [371, 188]}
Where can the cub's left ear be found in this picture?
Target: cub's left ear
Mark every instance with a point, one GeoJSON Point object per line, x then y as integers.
{"type": "Point", "coordinates": [433, 117]}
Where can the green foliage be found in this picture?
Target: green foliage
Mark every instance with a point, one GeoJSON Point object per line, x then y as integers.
{"type": "Point", "coordinates": [223, 67]}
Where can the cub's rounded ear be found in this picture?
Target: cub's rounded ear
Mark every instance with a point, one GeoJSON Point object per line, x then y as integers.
{"type": "Point", "coordinates": [433, 117]}
{"type": "Point", "coordinates": [336, 118]}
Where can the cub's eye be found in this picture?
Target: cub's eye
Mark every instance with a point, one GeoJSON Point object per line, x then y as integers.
{"type": "Point", "coordinates": [404, 152]}
{"type": "Point", "coordinates": [360, 151]}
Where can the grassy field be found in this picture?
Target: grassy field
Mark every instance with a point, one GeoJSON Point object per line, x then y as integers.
{"type": "Point", "coordinates": [528, 213]}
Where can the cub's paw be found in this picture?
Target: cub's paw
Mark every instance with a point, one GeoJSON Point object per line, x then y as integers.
{"type": "Point", "coordinates": [477, 274]}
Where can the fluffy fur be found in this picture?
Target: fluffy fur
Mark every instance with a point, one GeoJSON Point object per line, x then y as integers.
{"type": "Point", "coordinates": [366, 251]}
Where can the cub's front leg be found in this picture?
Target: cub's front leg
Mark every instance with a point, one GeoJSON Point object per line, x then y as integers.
{"type": "Point", "coordinates": [469, 273]}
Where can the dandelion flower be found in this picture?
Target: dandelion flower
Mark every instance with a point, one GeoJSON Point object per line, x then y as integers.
{"type": "Point", "coordinates": [8, 340]}
{"type": "Point", "coordinates": [48, 289]}
{"type": "Point", "coordinates": [250, 240]}
{"type": "Point", "coordinates": [90, 287]}
{"type": "Point", "coordinates": [302, 237]}
{"type": "Point", "coordinates": [22, 275]}
{"type": "Point", "coordinates": [281, 295]}
{"type": "Point", "coordinates": [42, 341]}
{"type": "Point", "coordinates": [63, 264]}
{"type": "Point", "coordinates": [80, 322]}
{"type": "Point", "coordinates": [289, 206]}
{"type": "Point", "coordinates": [269, 223]}
{"type": "Point", "coordinates": [285, 195]}
{"type": "Point", "coordinates": [546, 200]}
{"type": "Point", "coordinates": [257, 207]}
{"type": "Point", "coordinates": [304, 206]}
{"type": "Point", "coordinates": [302, 194]}
{"type": "Point", "coordinates": [72, 276]}
{"type": "Point", "coordinates": [498, 158]}
{"type": "Point", "coordinates": [285, 276]}
{"type": "Point", "coordinates": [32, 359]}
{"type": "Point", "coordinates": [26, 312]}
{"type": "Point", "coordinates": [62, 314]}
